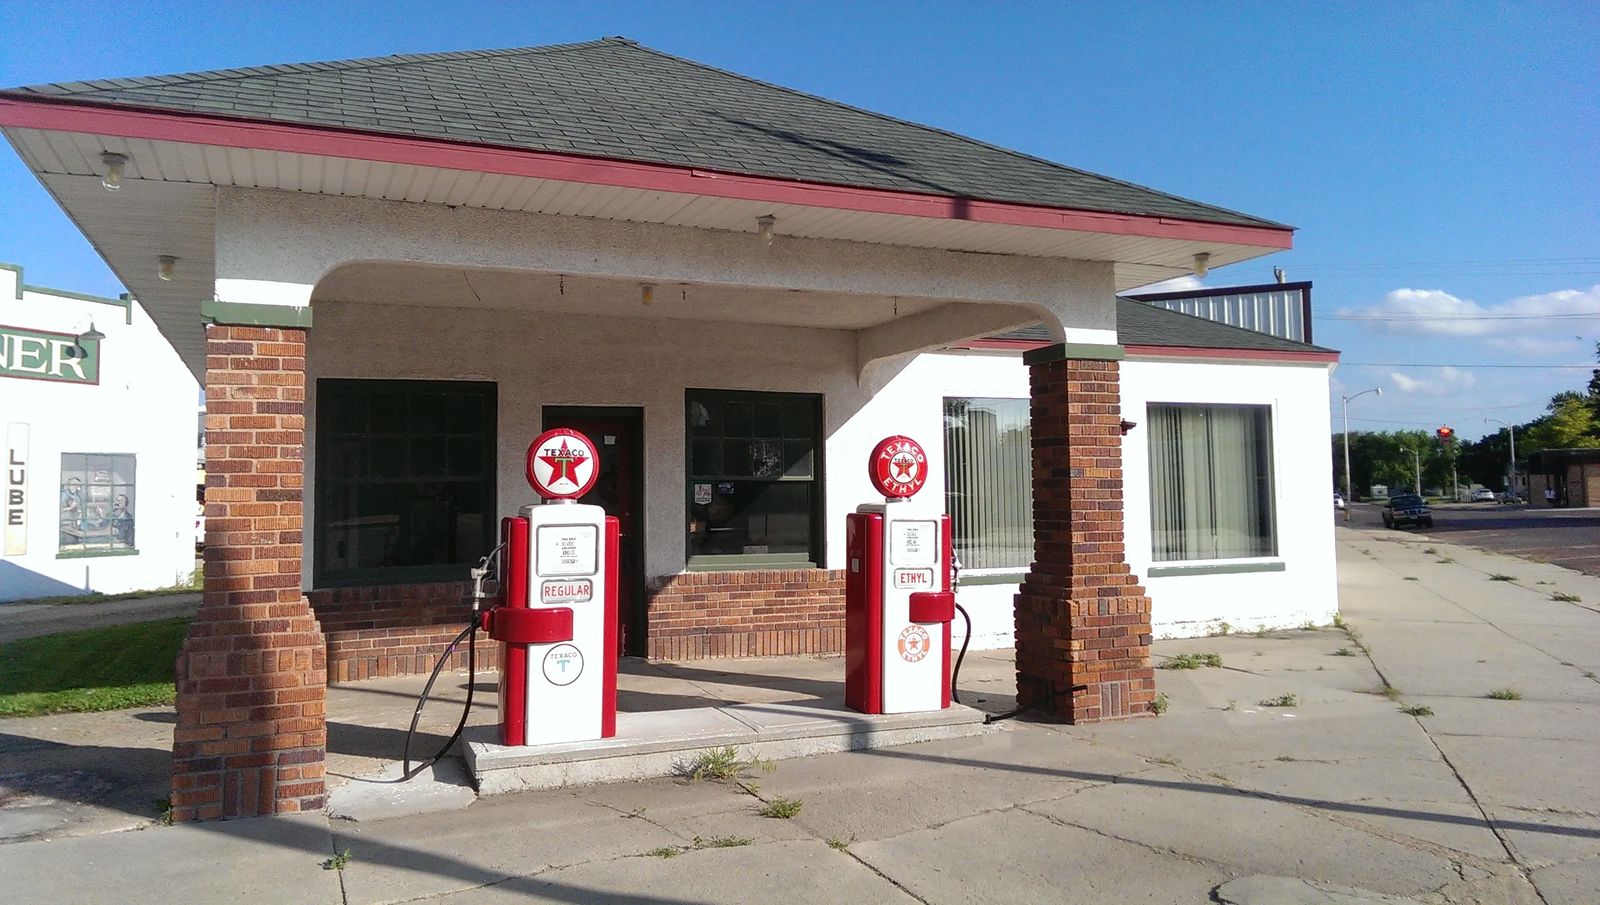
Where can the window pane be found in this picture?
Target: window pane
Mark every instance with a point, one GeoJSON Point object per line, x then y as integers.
{"type": "Point", "coordinates": [413, 497]}
{"type": "Point", "coordinates": [1210, 482]}
{"type": "Point", "coordinates": [751, 465]}
{"type": "Point", "coordinates": [97, 502]}
{"type": "Point", "coordinates": [989, 481]}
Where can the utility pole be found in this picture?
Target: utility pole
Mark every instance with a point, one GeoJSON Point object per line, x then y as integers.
{"type": "Point", "coordinates": [1418, 457]}
{"type": "Point", "coordinates": [1511, 431]}
{"type": "Point", "coordinates": [1349, 496]}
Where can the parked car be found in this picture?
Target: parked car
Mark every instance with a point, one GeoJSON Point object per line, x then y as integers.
{"type": "Point", "coordinates": [1407, 509]}
{"type": "Point", "coordinates": [1483, 495]}
{"type": "Point", "coordinates": [1338, 501]}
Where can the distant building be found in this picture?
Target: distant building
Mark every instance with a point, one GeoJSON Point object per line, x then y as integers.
{"type": "Point", "coordinates": [98, 422]}
{"type": "Point", "coordinates": [1574, 475]}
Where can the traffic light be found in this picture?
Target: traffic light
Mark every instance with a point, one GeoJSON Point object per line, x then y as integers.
{"type": "Point", "coordinates": [1446, 434]}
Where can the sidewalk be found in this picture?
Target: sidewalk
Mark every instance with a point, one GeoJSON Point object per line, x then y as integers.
{"type": "Point", "coordinates": [1221, 799]}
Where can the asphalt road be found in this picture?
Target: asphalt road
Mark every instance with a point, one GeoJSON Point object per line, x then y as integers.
{"type": "Point", "coordinates": [1565, 537]}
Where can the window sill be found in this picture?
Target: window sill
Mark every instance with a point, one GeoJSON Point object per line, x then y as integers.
{"type": "Point", "coordinates": [988, 578]}
{"type": "Point", "coordinates": [96, 554]}
{"type": "Point", "coordinates": [735, 563]}
{"type": "Point", "coordinates": [1217, 568]}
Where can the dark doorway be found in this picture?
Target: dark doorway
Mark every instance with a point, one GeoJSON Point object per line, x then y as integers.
{"type": "Point", "coordinates": [618, 432]}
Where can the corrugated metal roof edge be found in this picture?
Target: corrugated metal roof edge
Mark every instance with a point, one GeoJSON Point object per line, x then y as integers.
{"type": "Point", "coordinates": [1275, 343]}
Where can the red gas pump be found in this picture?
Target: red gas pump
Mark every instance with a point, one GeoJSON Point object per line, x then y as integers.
{"type": "Point", "coordinates": [558, 622]}
{"type": "Point", "coordinates": [898, 595]}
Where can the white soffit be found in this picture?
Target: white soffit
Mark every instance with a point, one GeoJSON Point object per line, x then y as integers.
{"type": "Point", "coordinates": [1139, 260]}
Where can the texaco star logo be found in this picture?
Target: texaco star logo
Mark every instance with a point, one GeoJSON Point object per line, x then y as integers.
{"type": "Point", "coordinates": [561, 464]}
{"type": "Point", "coordinates": [914, 643]}
{"type": "Point", "coordinates": [898, 466]}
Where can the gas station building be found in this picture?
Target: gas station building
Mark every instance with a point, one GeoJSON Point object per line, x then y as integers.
{"type": "Point", "coordinates": [391, 274]}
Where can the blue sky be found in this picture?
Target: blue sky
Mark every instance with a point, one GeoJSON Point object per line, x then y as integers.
{"type": "Point", "coordinates": [1442, 162]}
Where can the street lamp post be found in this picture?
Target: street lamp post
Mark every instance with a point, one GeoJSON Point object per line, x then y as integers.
{"type": "Point", "coordinates": [1349, 496]}
{"type": "Point", "coordinates": [1511, 431]}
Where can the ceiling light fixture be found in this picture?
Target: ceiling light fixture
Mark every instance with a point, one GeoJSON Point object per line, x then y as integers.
{"type": "Point", "coordinates": [1202, 263]}
{"type": "Point", "coordinates": [115, 163]}
{"type": "Point", "coordinates": [166, 268]}
{"type": "Point", "coordinates": [764, 225]}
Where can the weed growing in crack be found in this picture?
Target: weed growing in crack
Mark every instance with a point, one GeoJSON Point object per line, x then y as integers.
{"type": "Point", "coordinates": [337, 862]}
{"type": "Point", "coordinates": [1232, 705]}
{"type": "Point", "coordinates": [1418, 710]}
{"type": "Point", "coordinates": [1564, 597]}
{"type": "Point", "coordinates": [1288, 759]}
{"type": "Point", "coordinates": [1192, 661]}
{"type": "Point", "coordinates": [1166, 761]}
{"type": "Point", "coordinates": [1443, 560]}
{"type": "Point", "coordinates": [1160, 704]}
{"type": "Point", "coordinates": [1431, 551]}
{"type": "Point", "coordinates": [1308, 626]}
{"type": "Point", "coordinates": [1501, 577]}
{"type": "Point", "coordinates": [665, 851]}
{"type": "Point", "coordinates": [1389, 691]}
{"type": "Point", "coordinates": [1339, 623]}
{"type": "Point", "coordinates": [1411, 578]}
{"type": "Point", "coordinates": [1288, 699]}
{"type": "Point", "coordinates": [839, 845]}
{"type": "Point", "coordinates": [782, 808]}
{"type": "Point", "coordinates": [1344, 652]}
{"type": "Point", "coordinates": [1505, 694]}
{"type": "Point", "coordinates": [723, 764]}
{"type": "Point", "coordinates": [699, 843]}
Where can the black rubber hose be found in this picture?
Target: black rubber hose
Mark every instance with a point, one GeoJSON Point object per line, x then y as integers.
{"type": "Point", "coordinates": [965, 640]}
{"type": "Point", "coordinates": [997, 717]}
{"type": "Point", "coordinates": [471, 634]}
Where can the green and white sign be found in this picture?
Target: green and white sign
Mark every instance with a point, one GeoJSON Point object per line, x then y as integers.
{"type": "Point", "coordinates": [43, 355]}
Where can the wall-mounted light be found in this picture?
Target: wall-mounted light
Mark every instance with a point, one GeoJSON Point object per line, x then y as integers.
{"type": "Point", "coordinates": [764, 225]}
{"type": "Point", "coordinates": [647, 293]}
{"type": "Point", "coordinates": [90, 335]}
{"type": "Point", "coordinates": [115, 163]}
{"type": "Point", "coordinates": [167, 265]}
{"type": "Point", "coordinates": [1202, 263]}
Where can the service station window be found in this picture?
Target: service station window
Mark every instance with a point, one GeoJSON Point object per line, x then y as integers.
{"type": "Point", "coordinates": [405, 480]}
{"type": "Point", "coordinates": [988, 481]}
{"type": "Point", "coordinates": [1210, 482]}
{"type": "Point", "coordinates": [97, 504]}
{"type": "Point", "coordinates": [753, 492]}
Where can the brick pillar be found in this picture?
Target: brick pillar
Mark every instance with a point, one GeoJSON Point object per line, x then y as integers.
{"type": "Point", "coordinates": [1081, 616]}
{"type": "Point", "coordinates": [252, 675]}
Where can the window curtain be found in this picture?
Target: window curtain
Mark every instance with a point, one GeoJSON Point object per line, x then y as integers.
{"type": "Point", "coordinates": [1210, 482]}
{"type": "Point", "coordinates": [989, 481]}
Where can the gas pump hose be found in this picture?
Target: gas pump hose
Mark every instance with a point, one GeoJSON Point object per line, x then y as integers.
{"type": "Point", "coordinates": [956, 673]}
{"type": "Point", "coordinates": [470, 633]}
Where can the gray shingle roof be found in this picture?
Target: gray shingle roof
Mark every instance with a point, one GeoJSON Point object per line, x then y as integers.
{"type": "Point", "coordinates": [1142, 324]}
{"type": "Point", "coordinates": [615, 99]}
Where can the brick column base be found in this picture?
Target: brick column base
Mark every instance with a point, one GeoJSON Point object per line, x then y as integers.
{"type": "Point", "coordinates": [252, 675]}
{"type": "Point", "coordinates": [1081, 616]}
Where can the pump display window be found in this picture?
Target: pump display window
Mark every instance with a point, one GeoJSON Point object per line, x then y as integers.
{"type": "Point", "coordinates": [753, 488]}
{"type": "Point", "coordinates": [97, 504]}
{"type": "Point", "coordinates": [405, 482]}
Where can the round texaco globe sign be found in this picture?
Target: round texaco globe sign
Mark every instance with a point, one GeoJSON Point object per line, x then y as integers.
{"type": "Point", "coordinates": [562, 464]}
{"type": "Point", "coordinates": [898, 466]}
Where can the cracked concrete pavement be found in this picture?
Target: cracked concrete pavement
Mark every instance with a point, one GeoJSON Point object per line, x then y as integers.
{"type": "Point", "coordinates": [1343, 797]}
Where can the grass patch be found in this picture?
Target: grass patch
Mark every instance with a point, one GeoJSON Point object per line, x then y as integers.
{"type": "Point", "coordinates": [1160, 705]}
{"type": "Point", "coordinates": [1192, 661]}
{"type": "Point", "coordinates": [723, 764]}
{"type": "Point", "coordinates": [1506, 694]}
{"type": "Point", "coordinates": [782, 808]}
{"type": "Point", "coordinates": [181, 585]}
{"type": "Point", "coordinates": [108, 668]}
{"type": "Point", "coordinates": [1419, 710]}
{"type": "Point", "coordinates": [1499, 577]}
{"type": "Point", "coordinates": [1564, 597]}
{"type": "Point", "coordinates": [1282, 700]}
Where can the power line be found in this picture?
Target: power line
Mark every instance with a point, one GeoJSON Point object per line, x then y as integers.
{"type": "Point", "coordinates": [1458, 317]}
{"type": "Point", "coordinates": [1413, 364]}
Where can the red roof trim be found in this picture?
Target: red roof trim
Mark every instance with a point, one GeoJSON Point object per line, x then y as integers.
{"type": "Point", "coordinates": [1025, 345]}
{"type": "Point", "coordinates": [76, 116]}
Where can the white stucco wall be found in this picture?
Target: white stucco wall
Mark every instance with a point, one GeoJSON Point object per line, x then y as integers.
{"type": "Point", "coordinates": [145, 404]}
{"type": "Point", "coordinates": [538, 360]}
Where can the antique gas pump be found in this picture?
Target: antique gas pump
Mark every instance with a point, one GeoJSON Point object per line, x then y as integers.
{"type": "Point", "coordinates": [558, 623]}
{"type": "Point", "coordinates": [898, 594]}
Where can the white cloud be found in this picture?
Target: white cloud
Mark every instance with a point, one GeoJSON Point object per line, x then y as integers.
{"type": "Point", "coordinates": [1442, 382]}
{"type": "Point", "coordinates": [1434, 312]}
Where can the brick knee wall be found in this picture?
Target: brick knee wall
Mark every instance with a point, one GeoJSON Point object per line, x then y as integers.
{"type": "Point", "coordinates": [1081, 616]}
{"type": "Point", "coordinates": [396, 630]}
{"type": "Point", "coordinates": [748, 613]}
{"type": "Point", "coordinates": [251, 680]}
